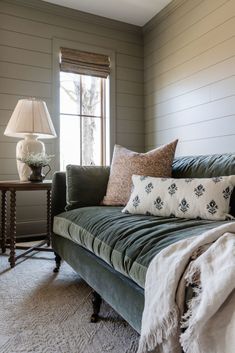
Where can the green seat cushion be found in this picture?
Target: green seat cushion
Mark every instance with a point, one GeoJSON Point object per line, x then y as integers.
{"type": "Point", "coordinates": [126, 242]}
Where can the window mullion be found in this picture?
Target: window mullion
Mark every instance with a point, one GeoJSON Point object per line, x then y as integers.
{"type": "Point", "coordinates": [81, 139]}
{"type": "Point", "coordinates": [102, 87]}
{"type": "Point", "coordinates": [82, 115]}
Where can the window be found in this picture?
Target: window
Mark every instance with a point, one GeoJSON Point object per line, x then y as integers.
{"type": "Point", "coordinates": [83, 103]}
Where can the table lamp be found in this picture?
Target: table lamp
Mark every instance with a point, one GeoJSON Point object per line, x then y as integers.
{"type": "Point", "coordinates": [30, 120]}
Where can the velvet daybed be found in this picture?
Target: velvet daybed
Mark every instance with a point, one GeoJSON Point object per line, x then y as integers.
{"type": "Point", "coordinates": [111, 250]}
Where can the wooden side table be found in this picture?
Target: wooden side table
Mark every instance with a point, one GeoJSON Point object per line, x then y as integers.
{"type": "Point", "coordinates": [12, 187]}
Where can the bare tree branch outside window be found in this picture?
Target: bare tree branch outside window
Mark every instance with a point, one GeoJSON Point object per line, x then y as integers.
{"type": "Point", "coordinates": [84, 92]}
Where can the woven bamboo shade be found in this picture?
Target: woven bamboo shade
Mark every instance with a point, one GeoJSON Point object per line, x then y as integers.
{"type": "Point", "coordinates": [84, 63]}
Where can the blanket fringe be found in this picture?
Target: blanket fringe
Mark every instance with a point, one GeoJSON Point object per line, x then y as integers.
{"type": "Point", "coordinates": [192, 348]}
{"type": "Point", "coordinates": [187, 319]}
{"type": "Point", "coordinates": [154, 338]}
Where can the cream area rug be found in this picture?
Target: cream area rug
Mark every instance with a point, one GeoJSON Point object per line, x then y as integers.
{"type": "Point", "coordinates": [43, 312]}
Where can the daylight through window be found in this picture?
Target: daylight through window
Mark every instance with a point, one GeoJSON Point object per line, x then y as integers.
{"type": "Point", "coordinates": [82, 118]}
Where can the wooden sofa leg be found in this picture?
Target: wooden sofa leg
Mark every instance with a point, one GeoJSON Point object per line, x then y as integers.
{"type": "Point", "coordinates": [57, 262]}
{"type": "Point", "coordinates": [96, 303]}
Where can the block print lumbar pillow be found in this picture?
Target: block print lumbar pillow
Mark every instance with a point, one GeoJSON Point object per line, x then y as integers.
{"type": "Point", "coordinates": [183, 198]}
{"type": "Point", "coordinates": [125, 163]}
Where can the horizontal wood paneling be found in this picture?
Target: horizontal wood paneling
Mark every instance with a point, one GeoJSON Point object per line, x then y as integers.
{"type": "Point", "coordinates": [130, 113]}
{"type": "Point", "coordinates": [5, 115]}
{"type": "Point", "coordinates": [27, 88]}
{"type": "Point", "coordinates": [130, 87]}
{"type": "Point", "coordinates": [31, 198]}
{"type": "Point", "coordinates": [76, 20]}
{"type": "Point", "coordinates": [219, 89]}
{"type": "Point", "coordinates": [7, 150]}
{"type": "Point", "coordinates": [135, 148]}
{"type": "Point", "coordinates": [130, 100]}
{"type": "Point", "coordinates": [31, 212]}
{"type": "Point", "coordinates": [204, 112]}
{"type": "Point", "coordinates": [132, 75]}
{"type": "Point", "coordinates": [211, 57]}
{"type": "Point", "coordinates": [25, 57]}
{"type": "Point", "coordinates": [131, 62]}
{"type": "Point", "coordinates": [190, 78]}
{"type": "Point", "coordinates": [216, 72]}
{"type": "Point", "coordinates": [206, 41]}
{"type": "Point", "coordinates": [38, 28]}
{"type": "Point", "coordinates": [24, 41]}
{"type": "Point", "coordinates": [8, 166]}
{"type": "Point", "coordinates": [201, 19]}
{"type": "Point", "coordinates": [129, 139]}
{"type": "Point", "coordinates": [206, 129]}
{"type": "Point", "coordinates": [27, 31]}
{"type": "Point", "coordinates": [164, 21]}
{"type": "Point", "coordinates": [9, 176]}
{"type": "Point", "coordinates": [26, 227]}
{"type": "Point", "coordinates": [25, 72]}
{"type": "Point", "coordinates": [216, 144]}
{"type": "Point", "coordinates": [127, 126]}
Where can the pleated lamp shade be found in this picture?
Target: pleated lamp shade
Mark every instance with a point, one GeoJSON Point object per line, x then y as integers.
{"type": "Point", "coordinates": [30, 116]}
{"type": "Point", "coordinates": [31, 121]}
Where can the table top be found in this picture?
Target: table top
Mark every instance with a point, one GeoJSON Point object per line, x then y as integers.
{"type": "Point", "coordinates": [25, 185]}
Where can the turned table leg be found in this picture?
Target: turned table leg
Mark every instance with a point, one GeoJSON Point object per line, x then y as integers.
{"type": "Point", "coordinates": [4, 221]}
{"type": "Point", "coordinates": [12, 227]}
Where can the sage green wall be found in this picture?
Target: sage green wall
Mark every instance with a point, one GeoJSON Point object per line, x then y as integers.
{"type": "Point", "coordinates": [28, 30]}
{"type": "Point", "coordinates": [189, 77]}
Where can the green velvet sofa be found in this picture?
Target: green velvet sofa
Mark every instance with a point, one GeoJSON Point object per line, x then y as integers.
{"type": "Point", "coordinates": [110, 250]}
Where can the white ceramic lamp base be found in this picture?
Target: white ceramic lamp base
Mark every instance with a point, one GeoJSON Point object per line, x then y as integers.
{"type": "Point", "coordinates": [30, 144]}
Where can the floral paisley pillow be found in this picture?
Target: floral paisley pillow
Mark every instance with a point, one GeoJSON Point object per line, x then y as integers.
{"type": "Point", "coordinates": [125, 163]}
{"type": "Point", "coordinates": [182, 198]}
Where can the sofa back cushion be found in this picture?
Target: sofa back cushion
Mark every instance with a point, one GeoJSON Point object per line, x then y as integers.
{"type": "Point", "coordinates": [85, 186]}
{"type": "Point", "coordinates": [82, 191]}
{"type": "Point", "coordinates": [207, 166]}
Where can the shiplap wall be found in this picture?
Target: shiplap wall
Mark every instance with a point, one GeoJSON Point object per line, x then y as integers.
{"type": "Point", "coordinates": [27, 30]}
{"type": "Point", "coordinates": [189, 66]}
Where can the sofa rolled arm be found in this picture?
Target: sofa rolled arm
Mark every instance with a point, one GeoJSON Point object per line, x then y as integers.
{"type": "Point", "coordinates": [58, 196]}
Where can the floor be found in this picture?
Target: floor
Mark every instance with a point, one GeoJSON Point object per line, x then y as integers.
{"type": "Point", "coordinates": [43, 312]}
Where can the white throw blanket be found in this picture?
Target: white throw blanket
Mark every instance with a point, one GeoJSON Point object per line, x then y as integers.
{"type": "Point", "coordinates": [209, 261]}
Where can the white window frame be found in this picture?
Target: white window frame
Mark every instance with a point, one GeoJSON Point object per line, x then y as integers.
{"type": "Point", "coordinates": [110, 116]}
{"type": "Point", "coordinates": [101, 117]}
